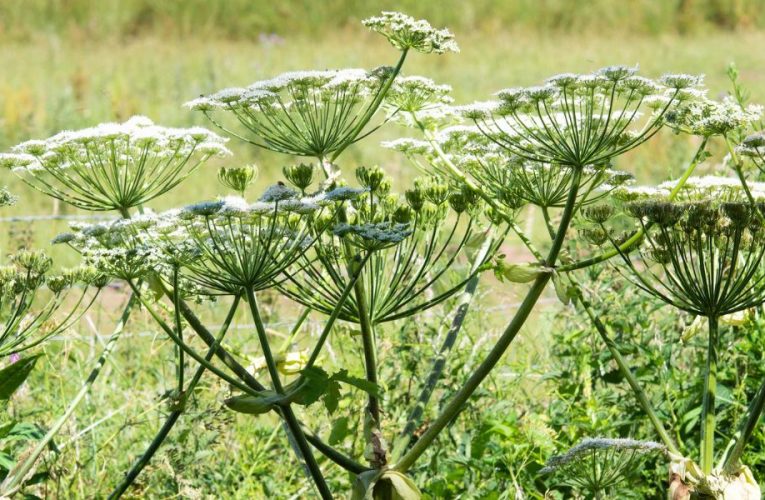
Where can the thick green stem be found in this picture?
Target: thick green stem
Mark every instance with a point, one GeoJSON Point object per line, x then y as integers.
{"type": "Point", "coordinates": [503, 342]}
{"type": "Point", "coordinates": [172, 418]}
{"type": "Point", "coordinates": [15, 478]}
{"type": "Point", "coordinates": [440, 360]}
{"type": "Point", "coordinates": [370, 351]}
{"type": "Point", "coordinates": [180, 369]}
{"type": "Point", "coordinates": [289, 416]}
{"type": "Point", "coordinates": [640, 395]}
{"type": "Point", "coordinates": [708, 403]}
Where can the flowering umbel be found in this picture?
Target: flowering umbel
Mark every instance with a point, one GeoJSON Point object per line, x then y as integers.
{"type": "Point", "coordinates": [113, 166]}
{"type": "Point", "coordinates": [580, 120]}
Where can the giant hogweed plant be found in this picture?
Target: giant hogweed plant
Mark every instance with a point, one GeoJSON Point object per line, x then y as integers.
{"type": "Point", "coordinates": [367, 257]}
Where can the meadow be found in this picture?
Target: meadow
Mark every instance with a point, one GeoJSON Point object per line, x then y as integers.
{"type": "Point", "coordinates": [67, 67]}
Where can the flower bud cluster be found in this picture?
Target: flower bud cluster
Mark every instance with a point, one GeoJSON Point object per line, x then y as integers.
{"type": "Point", "coordinates": [404, 32]}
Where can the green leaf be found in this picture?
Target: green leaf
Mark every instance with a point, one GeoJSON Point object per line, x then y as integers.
{"type": "Point", "coordinates": [359, 383]}
{"type": "Point", "coordinates": [331, 397]}
{"type": "Point", "coordinates": [339, 431]}
{"type": "Point", "coordinates": [309, 387]}
{"type": "Point", "coordinates": [11, 377]}
{"type": "Point", "coordinates": [254, 405]}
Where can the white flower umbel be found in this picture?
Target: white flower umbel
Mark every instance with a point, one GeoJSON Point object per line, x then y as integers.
{"type": "Point", "coordinates": [417, 93]}
{"type": "Point", "coordinates": [580, 120]}
{"type": "Point", "coordinates": [514, 181]}
{"type": "Point", "coordinates": [238, 245]}
{"type": "Point", "coordinates": [113, 166]}
{"type": "Point", "coordinates": [416, 244]}
{"type": "Point", "coordinates": [598, 466]}
{"type": "Point", "coordinates": [304, 113]}
{"type": "Point", "coordinates": [404, 32]}
{"type": "Point", "coordinates": [705, 117]}
{"type": "Point", "coordinates": [691, 243]}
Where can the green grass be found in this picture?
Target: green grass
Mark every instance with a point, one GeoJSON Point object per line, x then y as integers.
{"type": "Point", "coordinates": [52, 82]}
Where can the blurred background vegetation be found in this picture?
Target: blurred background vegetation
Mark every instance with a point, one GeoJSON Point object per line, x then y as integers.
{"type": "Point", "coordinates": [68, 64]}
{"type": "Point", "coordinates": [245, 19]}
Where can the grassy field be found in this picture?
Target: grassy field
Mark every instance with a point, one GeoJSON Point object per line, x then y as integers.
{"type": "Point", "coordinates": [65, 75]}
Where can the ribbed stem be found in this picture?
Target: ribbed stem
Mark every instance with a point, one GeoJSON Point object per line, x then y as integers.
{"type": "Point", "coordinates": [439, 362]}
{"type": "Point", "coordinates": [370, 351]}
{"type": "Point", "coordinates": [289, 416]}
{"type": "Point", "coordinates": [708, 403]}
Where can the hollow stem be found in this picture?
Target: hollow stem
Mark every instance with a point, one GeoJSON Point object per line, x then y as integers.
{"type": "Point", "coordinates": [368, 344]}
{"type": "Point", "coordinates": [439, 362]}
{"type": "Point", "coordinates": [288, 415]}
{"type": "Point", "coordinates": [179, 331]}
{"type": "Point", "coordinates": [708, 403]}
{"type": "Point", "coordinates": [172, 418]}
{"type": "Point", "coordinates": [640, 395]}
{"type": "Point", "coordinates": [503, 342]}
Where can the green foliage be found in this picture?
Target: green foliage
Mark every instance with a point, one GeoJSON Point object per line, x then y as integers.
{"type": "Point", "coordinates": [592, 397]}
{"type": "Point", "coordinates": [13, 375]}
